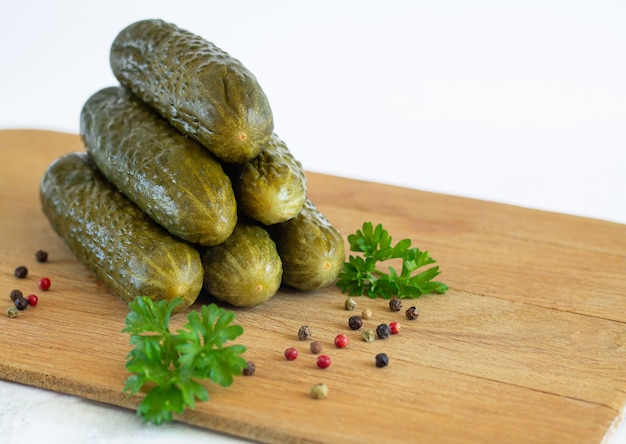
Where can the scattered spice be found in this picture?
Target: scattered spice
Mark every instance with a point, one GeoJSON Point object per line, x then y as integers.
{"type": "Point", "coordinates": [21, 303]}
{"type": "Point", "coordinates": [291, 353]}
{"type": "Point", "coordinates": [395, 304]}
{"type": "Point", "coordinates": [323, 361]}
{"type": "Point", "coordinates": [304, 333]}
{"type": "Point", "coordinates": [316, 347]}
{"type": "Point", "coordinates": [21, 272]}
{"type": "Point", "coordinates": [382, 360]}
{"type": "Point", "coordinates": [44, 283]}
{"type": "Point", "coordinates": [250, 369]}
{"type": "Point", "coordinates": [394, 327]}
{"type": "Point", "coordinates": [16, 294]}
{"type": "Point", "coordinates": [412, 313]}
{"type": "Point", "coordinates": [12, 312]}
{"type": "Point", "coordinates": [319, 391]}
{"type": "Point", "coordinates": [41, 256]}
{"type": "Point", "coordinates": [341, 341]}
{"type": "Point", "coordinates": [368, 335]}
{"type": "Point", "coordinates": [383, 331]}
{"type": "Point", "coordinates": [366, 314]}
{"type": "Point", "coordinates": [32, 299]}
{"type": "Point", "coordinates": [355, 322]}
{"type": "Point", "coordinates": [350, 304]}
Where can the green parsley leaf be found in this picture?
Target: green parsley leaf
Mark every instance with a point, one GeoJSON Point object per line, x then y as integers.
{"type": "Point", "coordinates": [170, 366]}
{"type": "Point", "coordinates": [361, 276]}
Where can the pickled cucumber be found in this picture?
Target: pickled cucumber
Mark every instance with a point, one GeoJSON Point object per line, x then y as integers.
{"type": "Point", "coordinates": [131, 254]}
{"type": "Point", "coordinates": [270, 188]}
{"type": "Point", "coordinates": [311, 249]}
{"type": "Point", "coordinates": [244, 271]}
{"type": "Point", "coordinates": [170, 177]}
{"type": "Point", "coordinates": [203, 91]}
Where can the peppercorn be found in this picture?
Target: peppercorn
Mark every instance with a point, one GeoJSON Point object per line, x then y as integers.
{"type": "Point", "coordinates": [368, 335]}
{"type": "Point", "coordinates": [395, 304]}
{"type": "Point", "coordinates": [21, 303]}
{"type": "Point", "coordinates": [32, 299]}
{"type": "Point", "coordinates": [323, 361]}
{"type": "Point", "coordinates": [16, 294]}
{"type": "Point", "coordinates": [21, 272]}
{"type": "Point", "coordinates": [382, 360]}
{"type": "Point", "coordinates": [316, 347]}
{"type": "Point", "coordinates": [355, 322]}
{"type": "Point", "coordinates": [249, 369]}
{"type": "Point", "coordinates": [350, 304]}
{"type": "Point", "coordinates": [412, 313]}
{"type": "Point", "coordinates": [394, 327]}
{"type": "Point", "coordinates": [383, 331]}
{"type": "Point", "coordinates": [291, 353]}
{"type": "Point", "coordinates": [12, 312]}
{"type": "Point", "coordinates": [341, 341]}
{"type": "Point", "coordinates": [44, 283]}
{"type": "Point", "coordinates": [41, 256]}
{"type": "Point", "coordinates": [319, 391]}
{"type": "Point", "coordinates": [304, 333]}
{"type": "Point", "coordinates": [366, 314]}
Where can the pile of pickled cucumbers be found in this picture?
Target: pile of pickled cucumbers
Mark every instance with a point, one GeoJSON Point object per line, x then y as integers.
{"type": "Point", "coordinates": [183, 184]}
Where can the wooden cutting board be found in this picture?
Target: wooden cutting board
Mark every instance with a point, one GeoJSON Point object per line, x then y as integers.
{"type": "Point", "coordinates": [528, 345]}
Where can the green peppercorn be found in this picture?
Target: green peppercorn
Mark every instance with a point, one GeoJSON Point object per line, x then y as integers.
{"type": "Point", "coordinates": [355, 322]}
{"type": "Point", "coordinates": [12, 312]}
{"type": "Point", "coordinates": [319, 391]}
{"type": "Point", "coordinates": [382, 360]}
{"type": "Point", "coordinates": [383, 331]}
{"type": "Point", "coordinates": [368, 335]}
{"type": "Point", "coordinates": [350, 304]}
{"type": "Point", "coordinates": [412, 313]}
{"type": "Point", "coordinates": [366, 314]}
{"type": "Point", "coordinates": [304, 333]}
{"type": "Point", "coordinates": [16, 294]}
{"type": "Point", "coordinates": [21, 272]}
{"type": "Point", "coordinates": [395, 304]}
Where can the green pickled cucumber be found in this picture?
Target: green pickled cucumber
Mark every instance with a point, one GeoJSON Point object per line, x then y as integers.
{"type": "Point", "coordinates": [203, 91]}
{"type": "Point", "coordinates": [172, 178]}
{"type": "Point", "coordinates": [270, 188]}
{"type": "Point", "coordinates": [131, 254]}
{"type": "Point", "coordinates": [244, 271]}
{"type": "Point", "coordinates": [311, 249]}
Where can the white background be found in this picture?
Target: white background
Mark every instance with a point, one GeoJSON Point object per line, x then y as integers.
{"type": "Point", "coordinates": [522, 102]}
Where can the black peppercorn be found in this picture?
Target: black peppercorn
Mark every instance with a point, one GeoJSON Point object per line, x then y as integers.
{"type": "Point", "coordinates": [21, 303]}
{"type": "Point", "coordinates": [395, 304]}
{"type": "Point", "coordinates": [250, 369]}
{"type": "Point", "coordinates": [304, 333]}
{"type": "Point", "coordinates": [412, 313]}
{"type": "Point", "coordinates": [41, 256]}
{"type": "Point", "coordinates": [16, 294]}
{"type": "Point", "coordinates": [383, 331]}
{"type": "Point", "coordinates": [21, 272]}
{"type": "Point", "coordinates": [355, 322]}
{"type": "Point", "coordinates": [382, 360]}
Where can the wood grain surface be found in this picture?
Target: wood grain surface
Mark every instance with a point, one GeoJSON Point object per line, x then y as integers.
{"type": "Point", "coordinates": [528, 345]}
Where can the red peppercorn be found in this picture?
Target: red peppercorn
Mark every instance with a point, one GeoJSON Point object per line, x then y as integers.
{"type": "Point", "coordinates": [291, 353]}
{"type": "Point", "coordinates": [44, 283]}
{"type": "Point", "coordinates": [394, 327]}
{"type": "Point", "coordinates": [341, 341]}
{"type": "Point", "coordinates": [323, 361]}
{"type": "Point", "coordinates": [32, 299]}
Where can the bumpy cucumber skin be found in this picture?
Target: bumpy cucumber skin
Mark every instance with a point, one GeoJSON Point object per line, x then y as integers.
{"type": "Point", "coordinates": [170, 177]}
{"type": "Point", "coordinates": [131, 254]}
{"type": "Point", "coordinates": [203, 91]}
{"type": "Point", "coordinates": [270, 188]}
{"type": "Point", "coordinates": [311, 249]}
{"type": "Point", "coordinates": [244, 271]}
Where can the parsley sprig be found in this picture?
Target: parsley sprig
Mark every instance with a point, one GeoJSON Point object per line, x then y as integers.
{"type": "Point", "coordinates": [169, 365]}
{"type": "Point", "coordinates": [360, 275]}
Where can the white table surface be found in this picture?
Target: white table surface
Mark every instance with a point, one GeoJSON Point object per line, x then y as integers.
{"type": "Point", "coordinates": [521, 102]}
